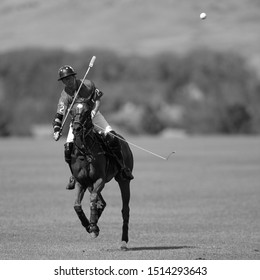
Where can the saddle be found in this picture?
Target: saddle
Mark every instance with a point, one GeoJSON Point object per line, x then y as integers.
{"type": "Point", "coordinates": [109, 150]}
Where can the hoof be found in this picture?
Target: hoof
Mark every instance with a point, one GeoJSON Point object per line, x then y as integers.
{"type": "Point", "coordinates": [88, 229]}
{"type": "Point", "coordinates": [123, 246]}
{"type": "Point", "coordinates": [93, 231]}
{"type": "Point", "coordinates": [94, 234]}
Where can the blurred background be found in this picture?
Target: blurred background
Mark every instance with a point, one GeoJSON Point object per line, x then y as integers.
{"type": "Point", "coordinates": [163, 70]}
{"type": "Point", "coordinates": [166, 74]}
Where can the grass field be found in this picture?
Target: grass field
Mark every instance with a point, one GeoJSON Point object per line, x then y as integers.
{"type": "Point", "coordinates": [201, 204]}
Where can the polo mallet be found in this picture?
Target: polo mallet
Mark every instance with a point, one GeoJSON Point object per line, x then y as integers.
{"type": "Point", "coordinates": [91, 63]}
{"type": "Point", "coordinates": [143, 149]}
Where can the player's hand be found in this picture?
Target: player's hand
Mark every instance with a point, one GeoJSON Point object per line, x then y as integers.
{"type": "Point", "coordinates": [93, 113]}
{"type": "Point", "coordinates": [56, 135]}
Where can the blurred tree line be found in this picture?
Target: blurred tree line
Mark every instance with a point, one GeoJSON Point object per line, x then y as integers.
{"type": "Point", "coordinates": [202, 92]}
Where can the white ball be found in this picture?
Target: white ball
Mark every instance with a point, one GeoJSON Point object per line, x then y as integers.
{"type": "Point", "coordinates": [203, 15]}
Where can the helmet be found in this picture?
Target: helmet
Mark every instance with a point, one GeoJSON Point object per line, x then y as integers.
{"type": "Point", "coordinates": [66, 71]}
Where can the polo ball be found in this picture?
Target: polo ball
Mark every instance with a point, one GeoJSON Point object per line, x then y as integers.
{"type": "Point", "coordinates": [203, 15]}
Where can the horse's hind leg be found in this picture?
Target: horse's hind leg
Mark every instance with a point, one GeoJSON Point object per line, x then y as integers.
{"type": "Point", "coordinates": [95, 197]}
{"type": "Point", "coordinates": [125, 194]}
{"type": "Point", "coordinates": [78, 208]}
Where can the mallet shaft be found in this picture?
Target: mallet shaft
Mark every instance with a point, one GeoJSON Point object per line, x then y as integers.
{"type": "Point", "coordinates": [143, 149]}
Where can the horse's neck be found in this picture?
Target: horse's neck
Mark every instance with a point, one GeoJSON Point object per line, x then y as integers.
{"type": "Point", "coordinates": [85, 143]}
{"type": "Point", "coordinates": [89, 140]}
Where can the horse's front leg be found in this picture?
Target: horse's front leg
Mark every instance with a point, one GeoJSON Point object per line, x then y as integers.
{"type": "Point", "coordinates": [80, 191]}
{"type": "Point", "coordinates": [95, 211]}
{"type": "Point", "coordinates": [101, 204]}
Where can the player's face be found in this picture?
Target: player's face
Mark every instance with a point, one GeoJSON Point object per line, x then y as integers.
{"type": "Point", "coordinates": [70, 82]}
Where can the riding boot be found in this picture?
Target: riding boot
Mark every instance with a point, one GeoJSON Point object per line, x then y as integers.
{"type": "Point", "coordinates": [67, 154]}
{"type": "Point", "coordinates": [115, 147]}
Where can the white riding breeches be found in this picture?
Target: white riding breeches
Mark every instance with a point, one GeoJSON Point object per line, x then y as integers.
{"type": "Point", "coordinates": [100, 125]}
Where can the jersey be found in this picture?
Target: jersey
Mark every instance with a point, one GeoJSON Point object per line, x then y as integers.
{"type": "Point", "coordinates": [88, 94]}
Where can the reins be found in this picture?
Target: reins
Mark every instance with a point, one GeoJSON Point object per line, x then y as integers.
{"type": "Point", "coordinates": [85, 149]}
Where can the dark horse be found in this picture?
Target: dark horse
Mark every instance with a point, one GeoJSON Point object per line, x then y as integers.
{"type": "Point", "coordinates": [93, 166]}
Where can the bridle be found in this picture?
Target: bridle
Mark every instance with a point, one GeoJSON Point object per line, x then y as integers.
{"type": "Point", "coordinates": [82, 132]}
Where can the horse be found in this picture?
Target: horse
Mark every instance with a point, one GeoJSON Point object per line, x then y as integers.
{"type": "Point", "coordinates": [93, 166]}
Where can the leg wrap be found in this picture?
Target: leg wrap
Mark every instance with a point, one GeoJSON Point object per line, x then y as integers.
{"type": "Point", "coordinates": [82, 217]}
{"type": "Point", "coordinates": [93, 208]}
{"type": "Point", "coordinates": [101, 204]}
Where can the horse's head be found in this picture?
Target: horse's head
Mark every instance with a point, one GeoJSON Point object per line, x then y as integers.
{"type": "Point", "coordinates": [81, 116]}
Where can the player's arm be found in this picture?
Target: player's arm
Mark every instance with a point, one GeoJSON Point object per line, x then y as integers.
{"type": "Point", "coordinates": [57, 121]}
{"type": "Point", "coordinates": [96, 96]}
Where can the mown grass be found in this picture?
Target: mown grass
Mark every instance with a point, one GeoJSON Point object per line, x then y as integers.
{"type": "Point", "coordinates": [201, 204]}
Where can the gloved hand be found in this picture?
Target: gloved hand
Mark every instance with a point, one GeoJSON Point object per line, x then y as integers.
{"type": "Point", "coordinates": [93, 113]}
{"type": "Point", "coordinates": [57, 135]}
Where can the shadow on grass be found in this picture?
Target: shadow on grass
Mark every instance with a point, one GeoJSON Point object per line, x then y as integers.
{"type": "Point", "coordinates": [153, 248]}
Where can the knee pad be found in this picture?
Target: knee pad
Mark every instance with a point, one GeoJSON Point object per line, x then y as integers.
{"type": "Point", "coordinates": [67, 151]}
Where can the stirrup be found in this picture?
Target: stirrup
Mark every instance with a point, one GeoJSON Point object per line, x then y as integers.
{"type": "Point", "coordinates": [71, 184]}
